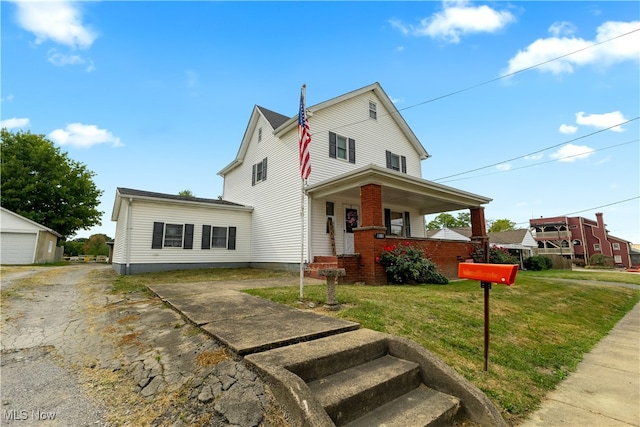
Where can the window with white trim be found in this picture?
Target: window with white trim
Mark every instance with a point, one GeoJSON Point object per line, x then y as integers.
{"type": "Point", "coordinates": [616, 246]}
{"type": "Point", "coordinates": [397, 223]}
{"type": "Point", "coordinates": [396, 162]}
{"type": "Point", "coordinates": [259, 172]}
{"type": "Point", "coordinates": [596, 246]}
{"type": "Point", "coordinates": [172, 236]}
{"type": "Point", "coordinates": [341, 147]}
{"type": "Point", "coordinates": [373, 113]}
{"type": "Point", "coordinates": [617, 259]}
{"type": "Point", "coordinates": [218, 237]}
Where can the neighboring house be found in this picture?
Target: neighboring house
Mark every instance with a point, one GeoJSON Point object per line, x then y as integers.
{"type": "Point", "coordinates": [635, 255]}
{"type": "Point", "coordinates": [365, 189]}
{"type": "Point", "coordinates": [579, 238]}
{"type": "Point", "coordinates": [519, 243]}
{"type": "Point", "coordinates": [23, 241]}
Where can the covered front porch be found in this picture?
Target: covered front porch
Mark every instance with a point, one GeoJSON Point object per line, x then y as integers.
{"type": "Point", "coordinates": [354, 215]}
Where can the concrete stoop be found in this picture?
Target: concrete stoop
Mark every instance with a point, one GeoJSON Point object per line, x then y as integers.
{"type": "Point", "coordinates": [367, 378]}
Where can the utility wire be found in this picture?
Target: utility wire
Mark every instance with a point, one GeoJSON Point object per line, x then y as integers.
{"type": "Point", "coordinates": [542, 163]}
{"type": "Point", "coordinates": [538, 151]}
{"type": "Point", "coordinates": [497, 78]}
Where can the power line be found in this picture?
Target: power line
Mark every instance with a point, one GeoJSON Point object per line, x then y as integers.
{"type": "Point", "coordinates": [542, 163]}
{"type": "Point", "coordinates": [603, 206]}
{"type": "Point", "coordinates": [497, 78]}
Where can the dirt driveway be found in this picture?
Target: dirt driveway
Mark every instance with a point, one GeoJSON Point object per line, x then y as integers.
{"type": "Point", "coordinates": [75, 354]}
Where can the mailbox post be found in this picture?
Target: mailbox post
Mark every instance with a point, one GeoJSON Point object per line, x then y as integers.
{"type": "Point", "coordinates": [488, 274]}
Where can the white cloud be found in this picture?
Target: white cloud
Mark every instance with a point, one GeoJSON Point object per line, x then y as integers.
{"type": "Point", "coordinates": [14, 123]}
{"type": "Point", "coordinates": [61, 60]}
{"type": "Point", "coordinates": [571, 153]}
{"type": "Point", "coordinates": [602, 121]}
{"type": "Point", "coordinates": [59, 21]}
{"type": "Point", "coordinates": [568, 129]}
{"type": "Point", "coordinates": [625, 48]}
{"type": "Point", "coordinates": [7, 98]}
{"type": "Point", "coordinates": [457, 18]}
{"type": "Point", "coordinates": [503, 167]}
{"type": "Point", "coordinates": [563, 28]}
{"type": "Point", "coordinates": [83, 136]}
{"type": "Point", "coordinates": [536, 156]}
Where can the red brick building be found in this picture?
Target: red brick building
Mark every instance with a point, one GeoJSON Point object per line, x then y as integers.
{"type": "Point", "coordinates": [579, 238]}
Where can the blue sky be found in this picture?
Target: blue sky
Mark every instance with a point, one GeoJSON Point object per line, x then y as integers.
{"type": "Point", "coordinates": [157, 95]}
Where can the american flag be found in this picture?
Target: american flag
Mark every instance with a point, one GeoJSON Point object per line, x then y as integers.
{"type": "Point", "coordinates": [304, 135]}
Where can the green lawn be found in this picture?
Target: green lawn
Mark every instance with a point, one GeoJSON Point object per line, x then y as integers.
{"type": "Point", "coordinates": [540, 328]}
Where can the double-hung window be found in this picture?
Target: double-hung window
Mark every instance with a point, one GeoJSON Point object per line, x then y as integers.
{"type": "Point", "coordinates": [172, 236]}
{"type": "Point", "coordinates": [218, 237]}
{"type": "Point", "coordinates": [616, 246]}
{"type": "Point", "coordinates": [259, 172]}
{"type": "Point", "coordinates": [397, 223]}
{"type": "Point", "coordinates": [396, 162]}
{"type": "Point", "coordinates": [373, 113]}
{"type": "Point", "coordinates": [341, 147]}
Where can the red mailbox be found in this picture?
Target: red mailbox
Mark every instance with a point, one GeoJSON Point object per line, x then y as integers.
{"type": "Point", "coordinates": [492, 273]}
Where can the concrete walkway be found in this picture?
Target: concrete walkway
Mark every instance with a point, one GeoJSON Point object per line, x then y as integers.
{"type": "Point", "coordinates": [604, 391]}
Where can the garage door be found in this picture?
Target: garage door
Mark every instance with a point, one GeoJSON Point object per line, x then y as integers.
{"type": "Point", "coordinates": [17, 248]}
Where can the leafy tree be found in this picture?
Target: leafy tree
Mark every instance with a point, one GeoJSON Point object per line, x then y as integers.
{"type": "Point", "coordinates": [96, 245]}
{"type": "Point", "coordinates": [43, 184]}
{"type": "Point", "coordinates": [74, 247]}
{"type": "Point", "coordinates": [186, 193]}
{"type": "Point", "coordinates": [463, 219]}
{"type": "Point", "coordinates": [501, 225]}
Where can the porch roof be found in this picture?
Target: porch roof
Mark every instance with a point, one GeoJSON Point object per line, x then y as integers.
{"type": "Point", "coordinates": [398, 189]}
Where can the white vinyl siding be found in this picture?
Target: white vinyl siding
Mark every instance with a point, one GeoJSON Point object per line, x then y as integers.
{"type": "Point", "coordinates": [276, 221]}
{"type": "Point", "coordinates": [143, 215]}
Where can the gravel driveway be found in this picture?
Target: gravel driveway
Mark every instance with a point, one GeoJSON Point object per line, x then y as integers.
{"type": "Point", "coordinates": [75, 354]}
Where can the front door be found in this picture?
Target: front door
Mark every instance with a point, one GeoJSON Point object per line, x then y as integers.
{"type": "Point", "coordinates": [351, 222]}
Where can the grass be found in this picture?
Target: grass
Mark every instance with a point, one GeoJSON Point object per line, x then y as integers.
{"type": "Point", "coordinates": [603, 276]}
{"type": "Point", "coordinates": [540, 328]}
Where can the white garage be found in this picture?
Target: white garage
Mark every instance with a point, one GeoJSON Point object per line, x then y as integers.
{"type": "Point", "coordinates": [23, 241]}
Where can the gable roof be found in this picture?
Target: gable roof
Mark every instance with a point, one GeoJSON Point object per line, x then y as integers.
{"type": "Point", "coordinates": [28, 221]}
{"type": "Point", "coordinates": [130, 193]}
{"type": "Point", "coordinates": [386, 101]}
{"type": "Point", "coordinates": [282, 124]}
{"type": "Point", "coordinates": [508, 237]}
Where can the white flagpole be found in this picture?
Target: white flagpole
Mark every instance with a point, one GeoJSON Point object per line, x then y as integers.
{"type": "Point", "coordinates": [301, 239]}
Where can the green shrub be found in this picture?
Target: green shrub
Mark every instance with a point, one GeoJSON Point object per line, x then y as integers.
{"type": "Point", "coordinates": [407, 264]}
{"type": "Point", "coordinates": [496, 255]}
{"type": "Point", "coordinates": [600, 260]}
{"type": "Point", "coordinates": [538, 263]}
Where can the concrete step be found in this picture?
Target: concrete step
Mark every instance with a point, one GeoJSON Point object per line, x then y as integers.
{"type": "Point", "coordinates": [351, 393]}
{"type": "Point", "coordinates": [420, 407]}
{"type": "Point", "coordinates": [323, 357]}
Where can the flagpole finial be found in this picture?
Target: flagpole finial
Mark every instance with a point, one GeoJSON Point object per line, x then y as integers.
{"type": "Point", "coordinates": [304, 85]}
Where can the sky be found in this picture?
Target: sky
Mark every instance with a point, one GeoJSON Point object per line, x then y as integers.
{"type": "Point", "coordinates": [534, 104]}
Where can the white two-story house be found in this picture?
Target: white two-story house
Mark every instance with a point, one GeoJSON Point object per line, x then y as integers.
{"type": "Point", "coordinates": [365, 188]}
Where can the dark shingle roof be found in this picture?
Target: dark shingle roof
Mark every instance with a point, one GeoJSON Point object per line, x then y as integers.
{"type": "Point", "coordinates": [508, 237]}
{"type": "Point", "coordinates": [275, 119]}
{"type": "Point", "coordinates": [142, 193]}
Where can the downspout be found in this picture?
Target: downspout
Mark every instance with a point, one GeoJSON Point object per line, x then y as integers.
{"type": "Point", "coordinates": [127, 269]}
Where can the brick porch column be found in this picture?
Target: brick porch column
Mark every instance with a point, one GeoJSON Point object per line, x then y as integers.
{"type": "Point", "coordinates": [365, 242]}
{"type": "Point", "coordinates": [479, 230]}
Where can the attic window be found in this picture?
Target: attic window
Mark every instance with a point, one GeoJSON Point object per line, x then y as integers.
{"type": "Point", "coordinates": [259, 134]}
{"type": "Point", "coordinates": [616, 246]}
{"type": "Point", "coordinates": [396, 162]}
{"type": "Point", "coordinates": [373, 112]}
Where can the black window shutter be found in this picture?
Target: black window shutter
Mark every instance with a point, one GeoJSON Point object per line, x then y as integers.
{"type": "Point", "coordinates": [388, 159]}
{"type": "Point", "coordinates": [231, 242]}
{"type": "Point", "coordinates": [264, 169]}
{"type": "Point", "coordinates": [206, 237]}
{"type": "Point", "coordinates": [407, 224]}
{"type": "Point", "coordinates": [352, 150]}
{"type": "Point", "coordinates": [332, 145]}
{"type": "Point", "coordinates": [253, 175]}
{"type": "Point", "coordinates": [403, 159]}
{"type": "Point", "coordinates": [387, 220]}
{"type": "Point", "coordinates": [158, 231]}
{"type": "Point", "coordinates": [188, 236]}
